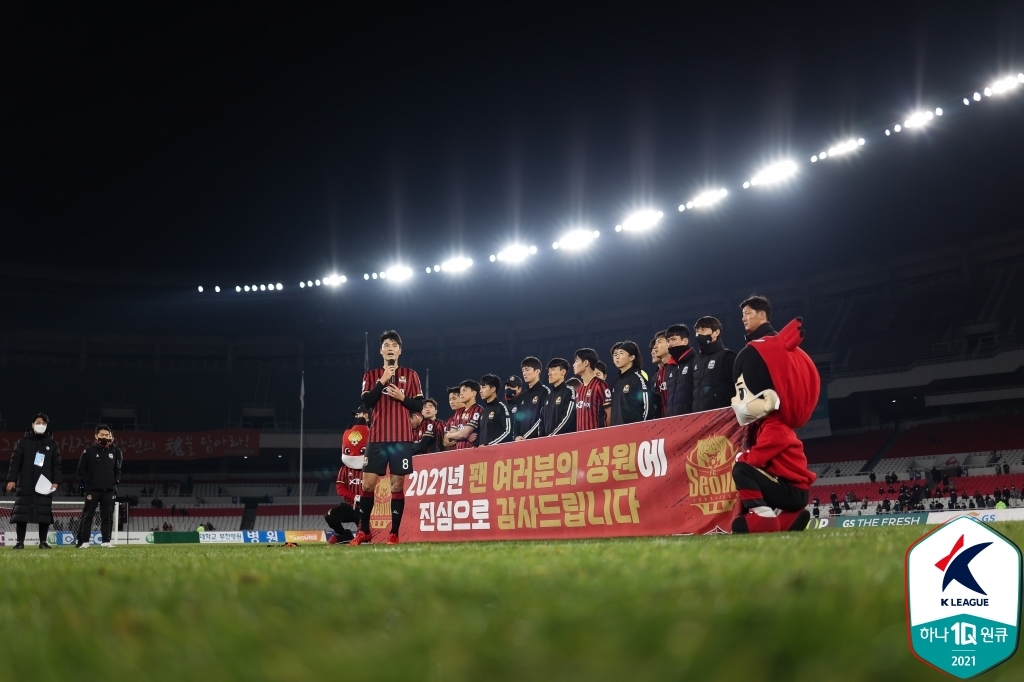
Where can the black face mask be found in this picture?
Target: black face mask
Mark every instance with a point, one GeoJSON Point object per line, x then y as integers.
{"type": "Point", "coordinates": [510, 395]}
{"type": "Point", "coordinates": [678, 351]}
{"type": "Point", "coordinates": [104, 442]}
{"type": "Point", "coordinates": [360, 421]}
{"type": "Point", "coordinates": [703, 340]}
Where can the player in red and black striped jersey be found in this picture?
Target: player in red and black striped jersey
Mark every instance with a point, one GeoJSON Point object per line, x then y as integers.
{"type": "Point", "coordinates": [393, 393]}
{"type": "Point", "coordinates": [593, 397]}
{"type": "Point", "coordinates": [452, 423]}
{"type": "Point", "coordinates": [468, 425]}
{"type": "Point", "coordinates": [427, 431]}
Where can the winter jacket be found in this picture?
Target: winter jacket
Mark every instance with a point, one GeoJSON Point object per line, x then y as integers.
{"type": "Point", "coordinates": [631, 398]}
{"type": "Point", "coordinates": [29, 506]}
{"type": "Point", "coordinates": [713, 386]}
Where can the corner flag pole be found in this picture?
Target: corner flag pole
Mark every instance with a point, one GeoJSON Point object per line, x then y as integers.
{"type": "Point", "coordinates": [302, 416]}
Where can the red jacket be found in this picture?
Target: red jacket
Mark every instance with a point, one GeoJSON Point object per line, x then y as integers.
{"type": "Point", "coordinates": [774, 446]}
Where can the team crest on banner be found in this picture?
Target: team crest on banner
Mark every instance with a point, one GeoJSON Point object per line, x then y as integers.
{"type": "Point", "coordinates": [963, 583]}
{"type": "Point", "coordinates": [709, 470]}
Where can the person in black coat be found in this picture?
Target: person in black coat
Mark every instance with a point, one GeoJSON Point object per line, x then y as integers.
{"type": "Point", "coordinates": [712, 369]}
{"type": "Point", "coordinates": [35, 455]}
{"type": "Point", "coordinates": [99, 468]}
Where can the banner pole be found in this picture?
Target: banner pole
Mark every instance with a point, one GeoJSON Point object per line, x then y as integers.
{"type": "Point", "coordinates": [302, 431]}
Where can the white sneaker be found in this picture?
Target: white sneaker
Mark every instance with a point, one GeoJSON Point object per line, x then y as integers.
{"type": "Point", "coordinates": [107, 544]}
{"type": "Point", "coordinates": [84, 545]}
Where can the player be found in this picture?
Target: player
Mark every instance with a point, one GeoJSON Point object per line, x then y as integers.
{"type": "Point", "coordinates": [392, 393]}
{"type": "Point", "coordinates": [496, 419]}
{"type": "Point", "coordinates": [528, 402]}
{"type": "Point", "coordinates": [558, 409]}
{"type": "Point", "coordinates": [468, 427]}
{"type": "Point", "coordinates": [452, 424]}
{"type": "Point", "coordinates": [428, 431]}
{"type": "Point", "coordinates": [593, 397]}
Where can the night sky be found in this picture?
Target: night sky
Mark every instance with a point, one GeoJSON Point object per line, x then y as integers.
{"type": "Point", "coordinates": [147, 150]}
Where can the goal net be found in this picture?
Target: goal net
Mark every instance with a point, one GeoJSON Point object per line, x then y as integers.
{"type": "Point", "coordinates": [67, 516]}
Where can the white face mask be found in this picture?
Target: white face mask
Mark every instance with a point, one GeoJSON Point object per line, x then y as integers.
{"type": "Point", "coordinates": [39, 428]}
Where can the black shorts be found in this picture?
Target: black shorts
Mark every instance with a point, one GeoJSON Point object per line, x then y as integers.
{"type": "Point", "coordinates": [396, 456]}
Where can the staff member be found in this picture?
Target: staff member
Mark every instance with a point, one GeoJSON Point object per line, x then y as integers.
{"type": "Point", "coordinates": [34, 456]}
{"type": "Point", "coordinates": [99, 469]}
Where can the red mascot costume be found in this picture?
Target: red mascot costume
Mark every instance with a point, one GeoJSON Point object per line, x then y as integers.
{"type": "Point", "coordinates": [344, 518]}
{"type": "Point", "coordinates": [777, 387]}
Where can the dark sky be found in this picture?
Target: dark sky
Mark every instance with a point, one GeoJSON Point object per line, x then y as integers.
{"type": "Point", "coordinates": [156, 148]}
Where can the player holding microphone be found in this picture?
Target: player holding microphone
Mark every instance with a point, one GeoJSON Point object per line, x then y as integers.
{"type": "Point", "coordinates": [392, 393]}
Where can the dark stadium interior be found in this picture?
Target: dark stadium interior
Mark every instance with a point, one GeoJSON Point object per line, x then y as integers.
{"type": "Point", "coordinates": [156, 153]}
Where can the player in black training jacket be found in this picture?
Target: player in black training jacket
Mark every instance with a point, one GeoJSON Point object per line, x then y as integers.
{"type": "Point", "coordinates": [496, 420]}
{"type": "Point", "coordinates": [631, 392]}
{"type": "Point", "coordinates": [527, 405]}
{"type": "Point", "coordinates": [558, 411]}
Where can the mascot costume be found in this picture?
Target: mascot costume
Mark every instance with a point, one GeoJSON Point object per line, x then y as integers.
{"type": "Point", "coordinates": [344, 519]}
{"type": "Point", "coordinates": [777, 387]}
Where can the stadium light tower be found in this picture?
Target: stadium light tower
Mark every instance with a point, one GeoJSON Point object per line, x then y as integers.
{"type": "Point", "coordinates": [458, 264]}
{"type": "Point", "coordinates": [640, 221]}
{"type": "Point", "coordinates": [777, 172]}
{"type": "Point", "coordinates": [576, 240]}
{"type": "Point", "coordinates": [514, 253]}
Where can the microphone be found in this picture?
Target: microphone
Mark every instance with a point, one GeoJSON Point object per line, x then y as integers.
{"type": "Point", "coordinates": [391, 363]}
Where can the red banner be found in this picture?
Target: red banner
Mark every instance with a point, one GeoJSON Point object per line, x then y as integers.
{"type": "Point", "coordinates": [143, 445]}
{"type": "Point", "coordinates": [664, 477]}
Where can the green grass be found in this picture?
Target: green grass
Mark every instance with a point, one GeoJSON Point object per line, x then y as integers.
{"type": "Point", "coordinates": [821, 605]}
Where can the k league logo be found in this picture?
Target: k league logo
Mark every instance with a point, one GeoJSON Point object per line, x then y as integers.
{"type": "Point", "coordinates": [963, 597]}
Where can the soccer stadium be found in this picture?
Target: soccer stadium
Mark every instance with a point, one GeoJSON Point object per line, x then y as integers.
{"type": "Point", "coordinates": [462, 343]}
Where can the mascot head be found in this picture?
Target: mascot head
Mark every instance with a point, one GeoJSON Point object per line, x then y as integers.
{"type": "Point", "coordinates": [773, 375]}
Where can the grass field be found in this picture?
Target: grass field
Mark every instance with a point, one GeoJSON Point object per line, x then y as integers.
{"type": "Point", "coordinates": [821, 605]}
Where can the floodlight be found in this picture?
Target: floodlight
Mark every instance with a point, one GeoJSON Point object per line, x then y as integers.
{"type": "Point", "coordinates": [200, 290]}
{"type": "Point", "coordinates": [398, 273]}
{"type": "Point", "coordinates": [516, 253]}
{"type": "Point", "coordinates": [860, 140]}
{"type": "Point", "coordinates": [575, 240]}
{"type": "Point", "coordinates": [318, 282]}
{"type": "Point", "coordinates": [988, 92]}
{"type": "Point", "coordinates": [689, 204]}
{"type": "Point", "coordinates": [887, 133]}
{"type": "Point", "coordinates": [814, 159]}
{"type": "Point", "coordinates": [238, 289]}
{"type": "Point", "coordinates": [1020, 77]}
{"type": "Point", "coordinates": [375, 275]}
{"type": "Point", "coordinates": [918, 119]}
{"type": "Point", "coordinates": [967, 102]}
{"type": "Point", "coordinates": [641, 220]}
{"type": "Point", "coordinates": [1004, 84]}
{"type": "Point", "coordinates": [217, 289]}
{"type": "Point", "coordinates": [746, 185]}
{"type": "Point", "coordinates": [333, 279]}
{"type": "Point", "coordinates": [263, 287]}
{"type": "Point", "coordinates": [842, 148]}
{"type": "Point", "coordinates": [254, 287]}
{"type": "Point", "coordinates": [457, 264]}
{"type": "Point", "coordinates": [938, 111]}
{"type": "Point", "coordinates": [897, 127]}
{"type": "Point", "coordinates": [437, 268]}
{"type": "Point", "coordinates": [977, 97]}
{"type": "Point", "coordinates": [682, 207]}
{"type": "Point", "coordinates": [309, 283]}
{"type": "Point", "coordinates": [708, 198]}
{"type": "Point", "coordinates": [384, 275]}
{"type": "Point", "coordinates": [823, 155]}
{"type": "Point", "coordinates": [302, 285]}
{"type": "Point", "coordinates": [246, 287]}
{"type": "Point", "coordinates": [776, 172]}
{"type": "Point", "coordinates": [493, 258]}
{"type": "Point", "coordinates": [366, 275]}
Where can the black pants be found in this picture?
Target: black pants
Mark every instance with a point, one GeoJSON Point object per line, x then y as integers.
{"type": "Point", "coordinates": [345, 513]}
{"type": "Point", "coordinates": [22, 530]}
{"type": "Point", "coordinates": [760, 489]}
{"type": "Point", "coordinates": [105, 499]}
